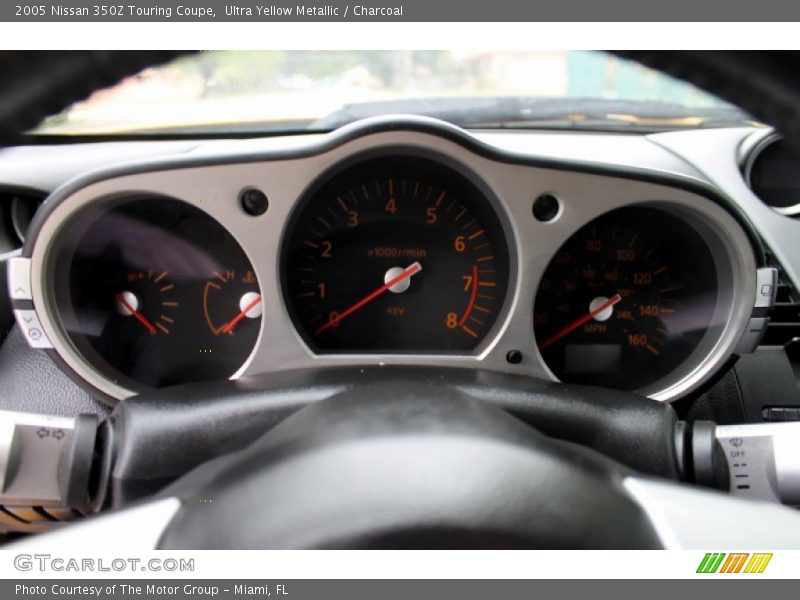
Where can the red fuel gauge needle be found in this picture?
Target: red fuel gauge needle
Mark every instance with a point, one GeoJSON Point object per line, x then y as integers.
{"type": "Point", "coordinates": [579, 321]}
{"type": "Point", "coordinates": [235, 321]}
{"type": "Point", "coordinates": [407, 272]}
{"type": "Point", "coordinates": [139, 316]}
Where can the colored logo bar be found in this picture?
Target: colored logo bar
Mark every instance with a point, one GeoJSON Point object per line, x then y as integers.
{"type": "Point", "coordinates": [735, 562]}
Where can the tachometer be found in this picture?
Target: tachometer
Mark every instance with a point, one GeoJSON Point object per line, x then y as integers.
{"type": "Point", "coordinates": [626, 300]}
{"type": "Point", "coordinates": [399, 254]}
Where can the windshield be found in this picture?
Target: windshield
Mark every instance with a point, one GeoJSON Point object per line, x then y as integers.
{"type": "Point", "coordinates": [268, 92]}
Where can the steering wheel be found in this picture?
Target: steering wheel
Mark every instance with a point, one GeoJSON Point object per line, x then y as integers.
{"type": "Point", "coordinates": [389, 457]}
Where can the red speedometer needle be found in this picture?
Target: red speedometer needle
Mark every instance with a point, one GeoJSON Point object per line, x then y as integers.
{"type": "Point", "coordinates": [579, 321]}
{"type": "Point", "coordinates": [335, 320]}
{"type": "Point", "coordinates": [235, 320]}
{"type": "Point", "coordinates": [139, 316]}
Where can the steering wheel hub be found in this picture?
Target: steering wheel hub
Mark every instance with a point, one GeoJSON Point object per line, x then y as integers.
{"type": "Point", "coordinates": [396, 466]}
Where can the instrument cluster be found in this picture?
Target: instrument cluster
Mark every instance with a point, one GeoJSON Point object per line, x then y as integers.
{"type": "Point", "coordinates": [386, 246]}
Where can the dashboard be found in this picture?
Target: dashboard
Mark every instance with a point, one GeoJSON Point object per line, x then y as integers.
{"type": "Point", "coordinates": [621, 261]}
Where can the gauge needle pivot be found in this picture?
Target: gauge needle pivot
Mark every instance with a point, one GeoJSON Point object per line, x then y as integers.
{"type": "Point", "coordinates": [139, 316]}
{"type": "Point", "coordinates": [409, 271]}
{"type": "Point", "coordinates": [580, 321]}
{"type": "Point", "coordinates": [228, 328]}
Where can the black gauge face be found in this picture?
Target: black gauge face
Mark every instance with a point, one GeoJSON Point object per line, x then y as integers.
{"type": "Point", "coordinates": [397, 254]}
{"type": "Point", "coordinates": [626, 300]}
{"type": "Point", "coordinates": [156, 292]}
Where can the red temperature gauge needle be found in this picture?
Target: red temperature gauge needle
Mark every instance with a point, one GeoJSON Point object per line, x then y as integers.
{"type": "Point", "coordinates": [407, 272]}
{"type": "Point", "coordinates": [139, 316]}
{"type": "Point", "coordinates": [579, 321]}
{"type": "Point", "coordinates": [235, 321]}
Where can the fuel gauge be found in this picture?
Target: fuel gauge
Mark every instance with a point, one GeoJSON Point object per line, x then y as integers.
{"type": "Point", "coordinates": [148, 299]}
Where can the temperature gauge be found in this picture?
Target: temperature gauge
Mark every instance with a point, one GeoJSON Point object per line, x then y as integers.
{"type": "Point", "coordinates": [232, 303]}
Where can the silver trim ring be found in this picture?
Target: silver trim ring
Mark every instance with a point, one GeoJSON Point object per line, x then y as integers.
{"type": "Point", "coordinates": [214, 188]}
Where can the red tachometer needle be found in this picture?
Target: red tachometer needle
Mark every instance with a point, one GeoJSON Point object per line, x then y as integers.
{"type": "Point", "coordinates": [407, 272]}
{"type": "Point", "coordinates": [139, 316]}
{"type": "Point", "coordinates": [579, 321]}
{"type": "Point", "coordinates": [235, 320]}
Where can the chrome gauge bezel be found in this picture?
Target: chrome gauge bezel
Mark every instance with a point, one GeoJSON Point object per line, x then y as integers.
{"type": "Point", "coordinates": [733, 259]}
{"type": "Point", "coordinates": [213, 181]}
{"type": "Point", "coordinates": [751, 152]}
{"type": "Point", "coordinates": [435, 159]}
{"type": "Point", "coordinates": [61, 253]}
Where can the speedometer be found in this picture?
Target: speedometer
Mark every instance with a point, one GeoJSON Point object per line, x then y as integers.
{"type": "Point", "coordinates": [626, 300]}
{"type": "Point", "coordinates": [396, 254]}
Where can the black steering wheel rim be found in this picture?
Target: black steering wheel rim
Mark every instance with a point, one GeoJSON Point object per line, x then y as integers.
{"type": "Point", "coordinates": [401, 462]}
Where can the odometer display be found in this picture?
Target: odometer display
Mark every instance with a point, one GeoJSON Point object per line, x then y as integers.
{"type": "Point", "coordinates": [626, 300]}
{"type": "Point", "coordinates": [396, 254]}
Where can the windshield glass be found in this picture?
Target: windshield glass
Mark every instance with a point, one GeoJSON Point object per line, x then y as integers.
{"type": "Point", "coordinates": [265, 92]}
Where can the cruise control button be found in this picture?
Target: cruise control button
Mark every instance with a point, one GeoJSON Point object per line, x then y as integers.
{"type": "Point", "coordinates": [19, 278]}
{"type": "Point", "coordinates": [32, 328]}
